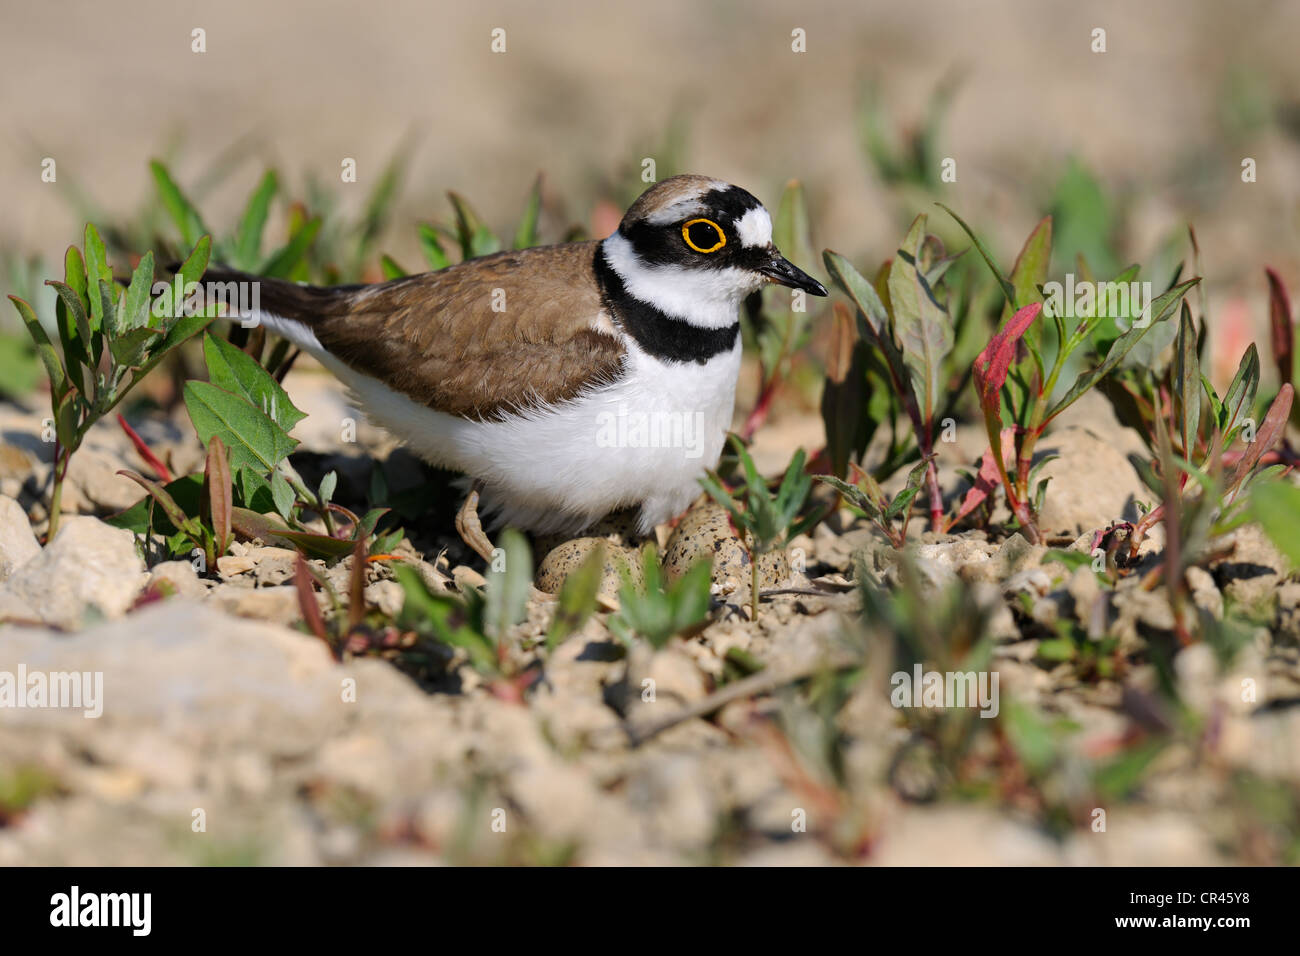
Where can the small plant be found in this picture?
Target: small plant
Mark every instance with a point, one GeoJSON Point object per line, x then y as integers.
{"type": "Point", "coordinates": [657, 613]}
{"type": "Point", "coordinates": [1013, 367]}
{"type": "Point", "coordinates": [209, 532]}
{"type": "Point", "coordinates": [765, 521]}
{"type": "Point", "coordinates": [477, 622]}
{"type": "Point", "coordinates": [1192, 445]}
{"type": "Point", "coordinates": [867, 499]}
{"type": "Point", "coordinates": [911, 335]}
{"type": "Point", "coordinates": [243, 412]}
{"type": "Point", "coordinates": [110, 339]}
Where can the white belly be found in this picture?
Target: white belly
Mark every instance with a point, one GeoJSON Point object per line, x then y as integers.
{"type": "Point", "coordinates": [642, 441]}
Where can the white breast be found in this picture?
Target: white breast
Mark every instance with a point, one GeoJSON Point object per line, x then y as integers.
{"type": "Point", "coordinates": [644, 440]}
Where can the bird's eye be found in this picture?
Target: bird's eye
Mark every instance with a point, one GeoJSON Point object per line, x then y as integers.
{"type": "Point", "coordinates": [703, 235]}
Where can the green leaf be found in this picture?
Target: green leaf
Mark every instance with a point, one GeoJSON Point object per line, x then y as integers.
{"type": "Point", "coordinates": [238, 372]}
{"type": "Point", "coordinates": [1121, 776]}
{"type": "Point", "coordinates": [904, 498]}
{"type": "Point", "coordinates": [432, 248]}
{"type": "Point", "coordinates": [325, 491]}
{"type": "Point", "coordinates": [129, 347]}
{"type": "Point", "coordinates": [1160, 309]}
{"type": "Point", "coordinates": [1239, 400]}
{"type": "Point", "coordinates": [856, 498]}
{"type": "Point", "coordinates": [44, 348]}
{"type": "Point", "coordinates": [577, 598]}
{"type": "Point", "coordinates": [136, 310]}
{"type": "Point", "coordinates": [1187, 380]}
{"type": "Point", "coordinates": [391, 270]}
{"type": "Point", "coordinates": [174, 512]}
{"type": "Point", "coordinates": [248, 234]}
{"type": "Point", "coordinates": [268, 493]}
{"type": "Point", "coordinates": [181, 210]}
{"type": "Point", "coordinates": [509, 584]}
{"type": "Point", "coordinates": [189, 273]}
{"type": "Point", "coordinates": [253, 525]}
{"type": "Point", "coordinates": [253, 437]}
{"type": "Point", "coordinates": [443, 616]}
{"type": "Point", "coordinates": [1276, 506]}
{"type": "Point", "coordinates": [74, 274]}
{"type": "Point", "coordinates": [526, 233]}
{"type": "Point", "coordinates": [873, 318]}
{"type": "Point", "coordinates": [1030, 272]}
{"type": "Point", "coordinates": [658, 614]}
{"type": "Point", "coordinates": [140, 518]}
{"type": "Point", "coordinates": [75, 333]}
{"type": "Point", "coordinates": [690, 596]}
{"type": "Point", "coordinates": [475, 238]}
{"type": "Point", "coordinates": [98, 275]}
{"type": "Point", "coordinates": [921, 325]}
{"type": "Point", "coordinates": [177, 334]}
{"type": "Point", "coordinates": [282, 262]}
{"type": "Point", "coordinates": [196, 263]}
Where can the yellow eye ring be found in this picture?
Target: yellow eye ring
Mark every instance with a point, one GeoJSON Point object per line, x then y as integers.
{"type": "Point", "coordinates": [686, 235]}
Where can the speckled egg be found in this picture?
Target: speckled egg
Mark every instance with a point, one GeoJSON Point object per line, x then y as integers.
{"type": "Point", "coordinates": [616, 532]}
{"type": "Point", "coordinates": [705, 531]}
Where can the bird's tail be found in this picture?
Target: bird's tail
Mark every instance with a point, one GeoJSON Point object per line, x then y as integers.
{"type": "Point", "coordinates": [286, 308]}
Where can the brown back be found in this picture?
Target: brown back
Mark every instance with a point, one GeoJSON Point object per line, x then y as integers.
{"type": "Point", "coordinates": [436, 338]}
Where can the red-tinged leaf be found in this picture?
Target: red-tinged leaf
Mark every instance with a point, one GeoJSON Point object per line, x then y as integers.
{"type": "Point", "coordinates": [994, 363]}
{"type": "Point", "coordinates": [1270, 431]}
{"type": "Point", "coordinates": [1282, 331]}
{"type": "Point", "coordinates": [986, 482]}
{"type": "Point", "coordinates": [145, 452]}
{"type": "Point", "coordinates": [218, 493]}
{"type": "Point", "coordinates": [307, 603]}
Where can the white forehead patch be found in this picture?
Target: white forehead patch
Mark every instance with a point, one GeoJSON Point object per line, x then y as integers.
{"type": "Point", "coordinates": [755, 228]}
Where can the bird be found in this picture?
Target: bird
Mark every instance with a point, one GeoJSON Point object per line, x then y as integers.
{"type": "Point", "coordinates": [567, 382]}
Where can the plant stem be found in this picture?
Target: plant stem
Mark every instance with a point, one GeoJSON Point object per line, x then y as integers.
{"type": "Point", "coordinates": [932, 487]}
{"type": "Point", "coordinates": [56, 495]}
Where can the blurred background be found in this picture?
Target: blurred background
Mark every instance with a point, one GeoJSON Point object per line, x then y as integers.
{"type": "Point", "coordinates": [1011, 90]}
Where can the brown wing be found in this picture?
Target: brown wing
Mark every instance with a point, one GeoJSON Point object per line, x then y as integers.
{"type": "Point", "coordinates": [509, 331]}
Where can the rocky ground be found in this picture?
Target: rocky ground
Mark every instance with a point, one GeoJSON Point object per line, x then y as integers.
{"type": "Point", "coordinates": [229, 735]}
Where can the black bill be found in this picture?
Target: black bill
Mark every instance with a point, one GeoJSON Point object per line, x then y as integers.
{"type": "Point", "coordinates": [780, 269]}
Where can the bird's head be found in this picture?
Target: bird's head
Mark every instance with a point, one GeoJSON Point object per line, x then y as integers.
{"type": "Point", "coordinates": [694, 247]}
